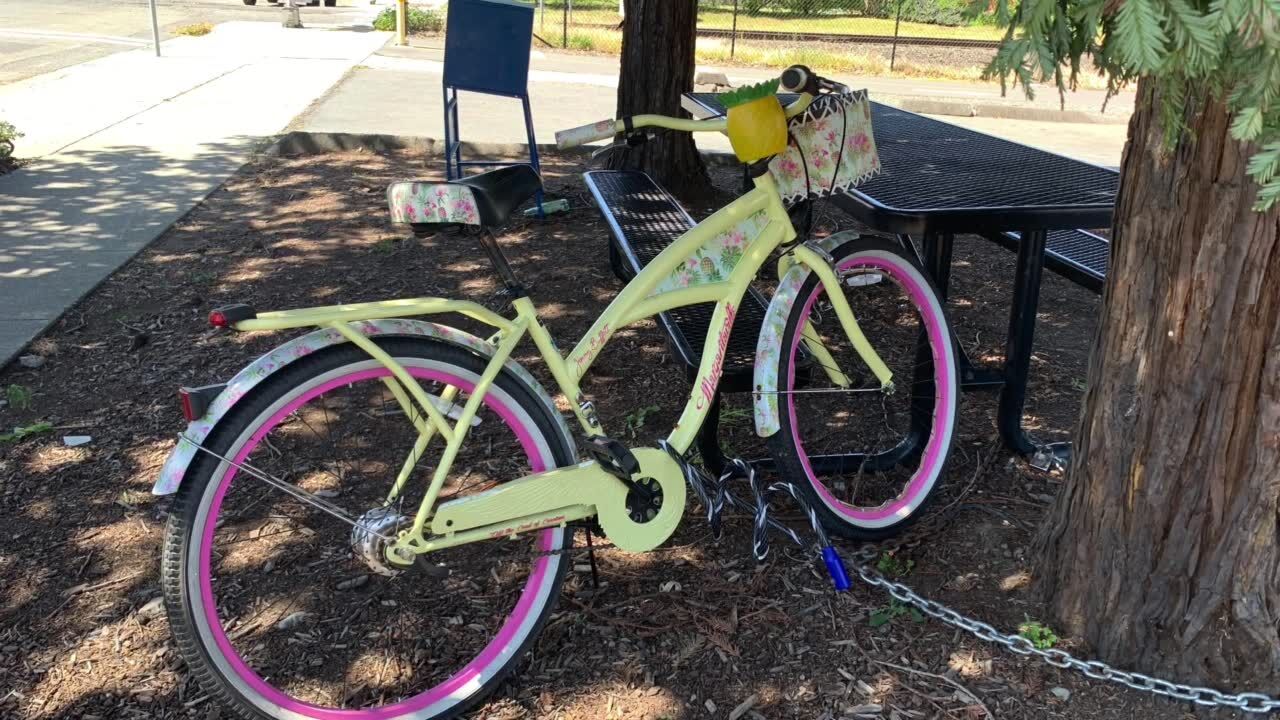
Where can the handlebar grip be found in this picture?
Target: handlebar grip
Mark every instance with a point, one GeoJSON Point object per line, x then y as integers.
{"type": "Point", "coordinates": [796, 78]}
{"type": "Point", "coordinates": [584, 134]}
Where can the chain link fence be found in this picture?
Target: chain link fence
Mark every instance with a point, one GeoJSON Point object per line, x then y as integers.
{"type": "Point", "coordinates": [930, 37]}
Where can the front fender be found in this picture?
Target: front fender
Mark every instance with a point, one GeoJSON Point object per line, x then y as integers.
{"type": "Point", "coordinates": [769, 344]}
{"type": "Point", "coordinates": [175, 467]}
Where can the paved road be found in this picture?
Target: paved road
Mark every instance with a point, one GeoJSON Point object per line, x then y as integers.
{"type": "Point", "coordinates": [39, 36]}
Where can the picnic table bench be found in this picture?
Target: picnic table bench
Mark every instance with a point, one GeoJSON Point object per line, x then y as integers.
{"type": "Point", "coordinates": [643, 220]}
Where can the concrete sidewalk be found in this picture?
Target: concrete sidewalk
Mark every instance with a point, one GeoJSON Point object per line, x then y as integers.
{"type": "Point", "coordinates": [127, 144]}
{"type": "Point", "coordinates": [397, 92]}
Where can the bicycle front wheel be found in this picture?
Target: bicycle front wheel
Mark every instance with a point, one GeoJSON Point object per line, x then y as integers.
{"type": "Point", "coordinates": [282, 612]}
{"type": "Point", "coordinates": [868, 458]}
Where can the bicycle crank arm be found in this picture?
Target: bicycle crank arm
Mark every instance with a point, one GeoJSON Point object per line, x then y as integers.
{"type": "Point", "coordinates": [557, 497]}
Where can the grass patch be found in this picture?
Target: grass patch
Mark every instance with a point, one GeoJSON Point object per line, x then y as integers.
{"type": "Point", "coordinates": [418, 20]}
{"type": "Point", "coordinates": [196, 30]}
{"type": "Point", "coordinates": [829, 25]}
{"type": "Point", "coordinates": [827, 61]}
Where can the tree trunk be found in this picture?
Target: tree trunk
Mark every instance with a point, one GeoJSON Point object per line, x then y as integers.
{"type": "Point", "coordinates": [1161, 549]}
{"type": "Point", "coordinates": [657, 67]}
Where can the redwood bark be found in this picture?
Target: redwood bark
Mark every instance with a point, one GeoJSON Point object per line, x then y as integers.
{"type": "Point", "coordinates": [658, 38]}
{"type": "Point", "coordinates": [1161, 549]}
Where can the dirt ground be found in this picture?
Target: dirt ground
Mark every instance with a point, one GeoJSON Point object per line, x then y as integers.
{"type": "Point", "coordinates": [81, 634]}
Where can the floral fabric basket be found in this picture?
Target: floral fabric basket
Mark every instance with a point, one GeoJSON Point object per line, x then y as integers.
{"type": "Point", "coordinates": [831, 149]}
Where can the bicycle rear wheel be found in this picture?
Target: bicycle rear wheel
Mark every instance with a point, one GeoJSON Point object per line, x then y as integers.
{"type": "Point", "coordinates": [281, 612]}
{"type": "Point", "coordinates": [869, 460]}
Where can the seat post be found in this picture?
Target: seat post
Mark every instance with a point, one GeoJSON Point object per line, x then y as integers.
{"type": "Point", "coordinates": [490, 244]}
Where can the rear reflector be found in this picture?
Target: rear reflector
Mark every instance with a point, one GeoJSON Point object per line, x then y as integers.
{"type": "Point", "coordinates": [228, 315]}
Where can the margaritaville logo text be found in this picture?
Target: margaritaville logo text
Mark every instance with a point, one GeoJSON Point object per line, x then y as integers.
{"type": "Point", "coordinates": [712, 380]}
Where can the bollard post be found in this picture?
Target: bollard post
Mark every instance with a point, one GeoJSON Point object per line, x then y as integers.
{"type": "Point", "coordinates": [402, 22]}
{"type": "Point", "coordinates": [155, 28]}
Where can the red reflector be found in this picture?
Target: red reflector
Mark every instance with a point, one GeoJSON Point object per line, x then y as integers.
{"type": "Point", "coordinates": [188, 407]}
{"type": "Point", "coordinates": [218, 319]}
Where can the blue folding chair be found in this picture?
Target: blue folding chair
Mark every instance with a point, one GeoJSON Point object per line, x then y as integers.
{"type": "Point", "coordinates": [486, 50]}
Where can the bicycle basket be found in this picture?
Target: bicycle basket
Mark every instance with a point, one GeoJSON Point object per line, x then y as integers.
{"type": "Point", "coordinates": [831, 148]}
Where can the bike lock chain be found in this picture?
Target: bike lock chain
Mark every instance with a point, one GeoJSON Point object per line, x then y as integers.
{"type": "Point", "coordinates": [716, 496]}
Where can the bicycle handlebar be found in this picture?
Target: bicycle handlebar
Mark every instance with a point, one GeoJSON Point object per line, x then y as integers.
{"type": "Point", "coordinates": [796, 78]}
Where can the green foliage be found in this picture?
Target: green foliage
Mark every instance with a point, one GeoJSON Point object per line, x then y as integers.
{"type": "Point", "coordinates": [893, 566]}
{"type": "Point", "coordinates": [935, 12]}
{"type": "Point", "coordinates": [747, 93]}
{"type": "Point", "coordinates": [18, 396]}
{"type": "Point", "coordinates": [23, 432]}
{"type": "Point", "coordinates": [635, 420]}
{"type": "Point", "coordinates": [418, 20]}
{"type": "Point", "coordinates": [8, 133]}
{"type": "Point", "coordinates": [894, 610]}
{"type": "Point", "coordinates": [1229, 48]}
{"type": "Point", "coordinates": [1040, 635]}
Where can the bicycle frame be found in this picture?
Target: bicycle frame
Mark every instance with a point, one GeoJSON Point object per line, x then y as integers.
{"type": "Point", "coordinates": [528, 504]}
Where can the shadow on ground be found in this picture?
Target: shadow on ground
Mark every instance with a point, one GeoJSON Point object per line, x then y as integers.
{"type": "Point", "coordinates": [68, 221]}
{"type": "Point", "coordinates": [690, 632]}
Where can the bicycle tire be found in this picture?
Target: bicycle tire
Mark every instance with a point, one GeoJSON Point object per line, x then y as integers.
{"type": "Point", "coordinates": [895, 511]}
{"type": "Point", "coordinates": [186, 539]}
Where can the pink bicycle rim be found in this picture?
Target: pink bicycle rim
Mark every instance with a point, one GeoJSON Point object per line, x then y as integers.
{"type": "Point", "coordinates": [935, 450]}
{"type": "Point", "coordinates": [473, 670]}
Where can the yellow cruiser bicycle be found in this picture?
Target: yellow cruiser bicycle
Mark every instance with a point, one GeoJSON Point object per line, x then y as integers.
{"type": "Point", "coordinates": [370, 520]}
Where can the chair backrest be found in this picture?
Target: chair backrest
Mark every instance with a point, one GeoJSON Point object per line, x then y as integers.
{"type": "Point", "coordinates": [832, 148]}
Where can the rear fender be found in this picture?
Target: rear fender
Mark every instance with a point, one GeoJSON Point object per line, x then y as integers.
{"type": "Point", "coordinates": [175, 468]}
{"type": "Point", "coordinates": [769, 345]}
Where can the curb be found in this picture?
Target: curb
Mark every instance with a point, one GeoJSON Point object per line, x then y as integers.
{"type": "Point", "coordinates": [1006, 111]}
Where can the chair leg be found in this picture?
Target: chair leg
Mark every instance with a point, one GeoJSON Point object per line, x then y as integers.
{"type": "Point", "coordinates": [709, 439]}
{"type": "Point", "coordinates": [452, 151]}
{"type": "Point", "coordinates": [533, 149]}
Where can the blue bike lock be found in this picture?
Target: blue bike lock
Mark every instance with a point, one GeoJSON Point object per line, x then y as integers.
{"type": "Point", "coordinates": [835, 568]}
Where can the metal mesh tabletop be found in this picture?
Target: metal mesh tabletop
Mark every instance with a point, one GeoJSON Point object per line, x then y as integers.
{"type": "Point", "coordinates": [943, 178]}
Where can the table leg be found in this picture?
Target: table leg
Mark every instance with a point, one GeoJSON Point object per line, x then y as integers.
{"type": "Point", "coordinates": [708, 439]}
{"type": "Point", "coordinates": [937, 263]}
{"type": "Point", "coordinates": [937, 259]}
{"type": "Point", "coordinates": [1022, 329]}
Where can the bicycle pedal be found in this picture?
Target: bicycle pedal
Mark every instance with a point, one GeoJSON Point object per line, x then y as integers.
{"type": "Point", "coordinates": [614, 457]}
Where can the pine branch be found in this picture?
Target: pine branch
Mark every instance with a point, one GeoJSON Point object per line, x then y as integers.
{"type": "Point", "coordinates": [1140, 35]}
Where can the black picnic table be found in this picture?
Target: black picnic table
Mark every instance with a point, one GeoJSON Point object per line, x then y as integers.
{"type": "Point", "coordinates": [938, 180]}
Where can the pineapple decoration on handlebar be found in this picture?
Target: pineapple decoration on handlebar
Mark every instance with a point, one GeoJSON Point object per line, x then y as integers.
{"type": "Point", "coordinates": [757, 124]}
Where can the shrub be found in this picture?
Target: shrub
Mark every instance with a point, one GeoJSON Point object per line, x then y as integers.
{"type": "Point", "coordinates": [935, 12]}
{"type": "Point", "coordinates": [418, 20]}
{"type": "Point", "coordinates": [8, 133]}
{"type": "Point", "coordinates": [197, 30]}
